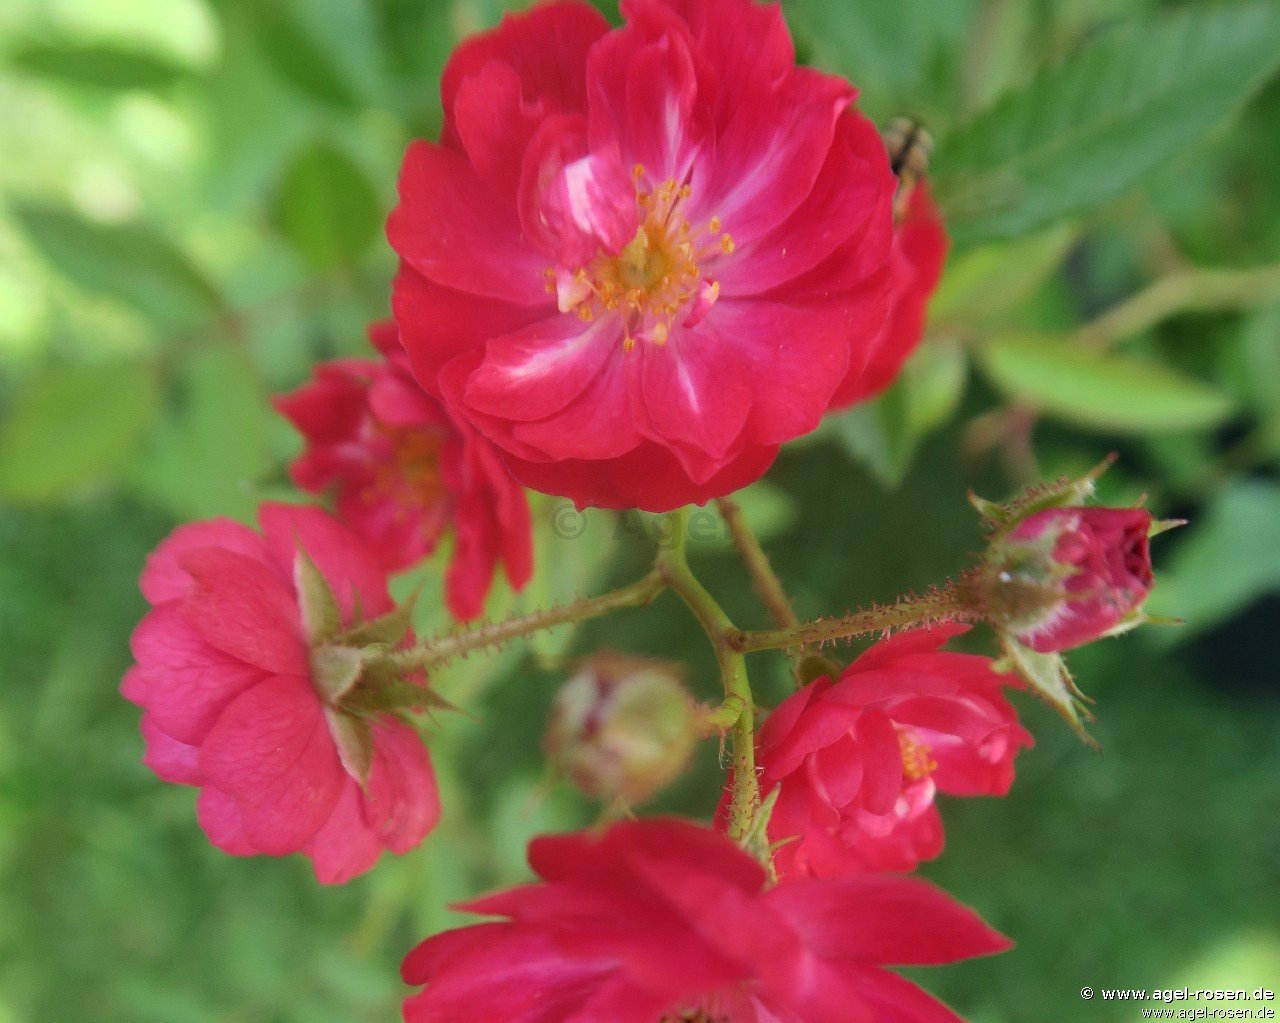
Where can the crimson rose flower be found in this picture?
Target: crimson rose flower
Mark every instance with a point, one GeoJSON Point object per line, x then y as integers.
{"type": "Point", "coordinates": [1097, 559]}
{"type": "Point", "coordinates": [659, 921]}
{"type": "Point", "coordinates": [857, 761]}
{"type": "Point", "coordinates": [250, 694]}
{"type": "Point", "coordinates": [405, 470]}
{"type": "Point", "coordinates": [640, 260]}
{"type": "Point", "coordinates": [919, 252]}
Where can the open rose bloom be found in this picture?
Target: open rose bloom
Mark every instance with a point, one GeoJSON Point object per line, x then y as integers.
{"type": "Point", "coordinates": [231, 677]}
{"type": "Point", "coordinates": [404, 470]}
{"type": "Point", "coordinates": [639, 260]}
{"type": "Point", "coordinates": [661, 921]}
{"type": "Point", "coordinates": [857, 762]}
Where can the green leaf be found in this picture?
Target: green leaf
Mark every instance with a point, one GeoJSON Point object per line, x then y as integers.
{"type": "Point", "coordinates": [205, 455]}
{"type": "Point", "coordinates": [97, 65]}
{"type": "Point", "coordinates": [1082, 133]}
{"type": "Point", "coordinates": [300, 57]}
{"type": "Point", "coordinates": [985, 284]}
{"type": "Point", "coordinates": [128, 262]}
{"type": "Point", "coordinates": [1109, 393]}
{"type": "Point", "coordinates": [74, 426]}
{"type": "Point", "coordinates": [1227, 559]}
{"type": "Point", "coordinates": [326, 207]}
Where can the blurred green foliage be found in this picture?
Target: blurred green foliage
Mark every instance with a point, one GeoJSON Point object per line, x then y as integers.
{"type": "Point", "coordinates": [190, 205]}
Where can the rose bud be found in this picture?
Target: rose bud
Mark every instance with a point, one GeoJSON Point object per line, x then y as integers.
{"type": "Point", "coordinates": [1063, 577]}
{"type": "Point", "coordinates": [622, 728]}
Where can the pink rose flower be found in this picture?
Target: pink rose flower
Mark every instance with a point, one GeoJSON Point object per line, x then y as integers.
{"type": "Point", "coordinates": [660, 921]}
{"type": "Point", "coordinates": [404, 470]}
{"type": "Point", "coordinates": [857, 762]}
{"type": "Point", "coordinates": [640, 260]}
{"type": "Point", "coordinates": [240, 701]}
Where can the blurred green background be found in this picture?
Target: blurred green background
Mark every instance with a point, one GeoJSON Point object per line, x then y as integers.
{"type": "Point", "coordinates": [191, 200]}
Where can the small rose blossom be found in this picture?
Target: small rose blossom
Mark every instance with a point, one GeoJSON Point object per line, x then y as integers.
{"type": "Point", "coordinates": [1096, 560]}
{"type": "Point", "coordinates": [662, 921]}
{"type": "Point", "coordinates": [240, 701]}
{"type": "Point", "coordinates": [404, 470]}
{"type": "Point", "coordinates": [857, 762]}
{"type": "Point", "coordinates": [919, 251]}
{"type": "Point", "coordinates": [639, 260]}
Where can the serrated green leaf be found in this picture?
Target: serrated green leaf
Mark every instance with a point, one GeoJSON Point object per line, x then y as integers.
{"type": "Point", "coordinates": [326, 207]}
{"type": "Point", "coordinates": [1110, 393]}
{"type": "Point", "coordinates": [1081, 133]}
{"type": "Point", "coordinates": [74, 426]}
{"type": "Point", "coordinates": [97, 65]}
{"type": "Point", "coordinates": [1048, 678]}
{"type": "Point", "coordinates": [129, 262]}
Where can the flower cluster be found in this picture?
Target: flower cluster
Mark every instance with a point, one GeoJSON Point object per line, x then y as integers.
{"type": "Point", "coordinates": [637, 262]}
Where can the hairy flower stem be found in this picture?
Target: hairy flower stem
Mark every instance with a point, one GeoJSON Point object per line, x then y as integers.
{"type": "Point", "coordinates": [946, 602]}
{"type": "Point", "coordinates": [807, 663]}
{"type": "Point", "coordinates": [493, 634]}
{"type": "Point", "coordinates": [673, 565]}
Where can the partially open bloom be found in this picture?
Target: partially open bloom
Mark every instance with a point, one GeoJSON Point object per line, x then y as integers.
{"type": "Point", "coordinates": [662, 921]}
{"type": "Point", "coordinates": [404, 470]}
{"type": "Point", "coordinates": [857, 762]}
{"type": "Point", "coordinates": [1081, 572]}
{"type": "Point", "coordinates": [254, 675]}
{"type": "Point", "coordinates": [640, 260]}
{"type": "Point", "coordinates": [919, 252]}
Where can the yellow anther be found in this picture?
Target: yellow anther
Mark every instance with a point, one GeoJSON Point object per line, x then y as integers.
{"type": "Point", "coordinates": [686, 192]}
{"type": "Point", "coordinates": [628, 343]}
{"type": "Point", "coordinates": [715, 225]}
{"type": "Point", "coordinates": [637, 171]}
{"type": "Point", "coordinates": [586, 314]}
{"type": "Point", "coordinates": [661, 332]}
{"type": "Point", "coordinates": [726, 244]}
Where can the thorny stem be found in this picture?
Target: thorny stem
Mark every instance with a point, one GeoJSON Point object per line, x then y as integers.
{"type": "Point", "coordinates": [945, 602]}
{"type": "Point", "coordinates": [445, 648]}
{"type": "Point", "coordinates": [673, 564]}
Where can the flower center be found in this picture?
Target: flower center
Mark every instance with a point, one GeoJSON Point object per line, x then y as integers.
{"type": "Point", "coordinates": [659, 273]}
{"type": "Point", "coordinates": [413, 467]}
{"type": "Point", "coordinates": [916, 760]}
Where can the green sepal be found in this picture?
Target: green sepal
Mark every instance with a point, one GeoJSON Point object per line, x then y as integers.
{"type": "Point", "coordinates": [354, 739]}
{"type": "Point", "coordinates": [388, 629]}
{"type": "Point", "coordinates": [337, 669]}
{"type": "Point", "coordinates": [321, 619]}
{"type": "Point", "coordinates": [756, 839]}
{"type": "Point", "coordinates": [1048, 677]}
{"type": "Point", "coordinates": [1159, 526]}
{"type": "Point", "coordinates": [1061, 493]}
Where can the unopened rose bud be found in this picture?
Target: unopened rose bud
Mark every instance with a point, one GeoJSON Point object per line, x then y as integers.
{"type": "Point", "coordinates": [622, 728]}
{"type": "Point", "coordinates": [1066, 576]}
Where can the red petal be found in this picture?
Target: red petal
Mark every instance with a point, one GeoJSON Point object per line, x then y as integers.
{"type": "Point", "coordinates": [272, 753]}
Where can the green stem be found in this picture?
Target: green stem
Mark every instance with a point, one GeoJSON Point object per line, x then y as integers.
{"type": "Point", "coordinates": [765, 581]}
{"type": "Point", "coordinates": [492, 634]}
{"type": "Point", "coordinates": [1183, 291]}
{"type": "Point", "coordinates": [943, 603]}
{"type": "Point", "coordinates": [673, 565]}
